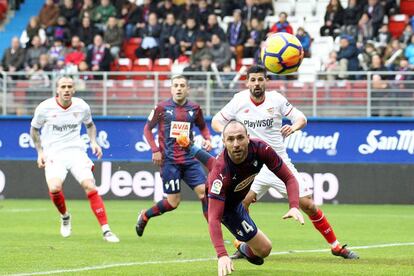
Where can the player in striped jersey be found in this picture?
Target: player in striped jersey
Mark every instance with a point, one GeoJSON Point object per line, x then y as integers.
{"type": "Point", "coordinates": [175, 116]}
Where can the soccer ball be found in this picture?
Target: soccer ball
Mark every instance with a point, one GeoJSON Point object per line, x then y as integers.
{"type": "Point", "coordinates": [282, 53]}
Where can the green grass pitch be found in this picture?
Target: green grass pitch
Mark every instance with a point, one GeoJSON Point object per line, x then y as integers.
{"type": "Point", "coordinates": [178, 243]}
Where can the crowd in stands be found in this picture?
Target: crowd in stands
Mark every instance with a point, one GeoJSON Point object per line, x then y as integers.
{"type": "Point", "coordinates": [89, 35]}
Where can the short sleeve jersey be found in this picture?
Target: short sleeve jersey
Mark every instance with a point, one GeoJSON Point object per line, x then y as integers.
{"type": "Point", "coordinates": [60, 127]}
{"type": "Point", "coordinates": [263, 120]}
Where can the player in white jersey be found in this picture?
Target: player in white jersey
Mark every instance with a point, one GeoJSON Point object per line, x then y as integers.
{"type": "Point", "coordinates": [262, 112]}
{"type": "Point", "coordinates": [60, 149]}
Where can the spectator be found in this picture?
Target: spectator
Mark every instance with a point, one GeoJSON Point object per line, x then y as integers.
{"type": "Point", "coordinates": [138, 17]}
{"type": "Point", "coordinates": [390, 7]}
{"type": "Point", "coordinates": [331, 66]}
{"type": "Point", "coordinates": [199, 50]}
{"type": "Point", "coordinates": [371, 20]}
{"type": "Point", "coordinates": [409, 51]}
{"type": "Point", "coordinates": [347, 57]}
{"type": "Point", "coordinates": [282, 25]}
{"type": "Point", "coordinates": [33, 53]}
{"type": "Point", "coordinates": [383, 38]}
{"type": "Point", "coordinates": [251, 10]}
{"type": "Point", "coordinates": [101, 14]}
{"type": "Point", "coordinates": [169, 46]}
{"type": "Point", "coordinates": [48, 14]}
{"type": "Point", "coordinates": [377, 65]}
{"type": "Point", "coordinates": [333, 19]}
{"type": "Point", "coordinates": [189, 34]}
{"type": "Point", "coordinates": [60, 31]}
{"type": "Point", "coordinates": [220, 51]}
{"type": "Point", "coordinates": [366, 56]}
{"type": "Point", "coordinates": [351, 15]}
{"type": "Point", "coordinates": [86, 10]}
{"type": "Point", "coordinates": [13, 57]}
{"type": "Point", "coordinates": [87, 31]}
{"type": "Point", "coordinates": [32, 29]}
{"type": "Point", "coordinates": [188, 10]}
{"type": "Point", "coordinates": [168, 7]}
{"type": "Point", "coordinates": [70, 13]}
{"type": "Point", "coordinates": [237, 34]}
{"type": "Point", "coordinates": [150, 39]}
{"type": "Point", "coordinates": [113, 36]}
{"type": "Point", "coordinates": [99, 57]}
{"type": "Point", "coordinates": [213, 28]}
{"type": "Point", "coordinates": [255, 37]}
{"type": "Point", "coordinates": [57, 51]}
{"type": "Point", "coordinates": [202, 12]}
{"type": "Point", "coordinates": [393, 54]}
{"type": "Point", "coordinates": [75, 54]}
{"type": "Point", "coordinates": [305, 40]}
{"type": "Point", "coordinates": [406, 35]}
{"type": "Point", "coordinates": [38, 75]}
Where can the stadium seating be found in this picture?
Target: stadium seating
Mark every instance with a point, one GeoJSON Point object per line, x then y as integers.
{"type": "Point", "coordinates": [304, 8]}
{"type": "Point", "coordinates": [143, 65]}
{"type": "Point", "coordinates": [397, 24]}
{"type": "Point", "coordinates": [407, 7]}
{"type": "Point", "coordinates": [129, 47]}
{"type": "Point", "coordinates": [162, 65]}
{"type": "Point", "coordinates": [122, 65]}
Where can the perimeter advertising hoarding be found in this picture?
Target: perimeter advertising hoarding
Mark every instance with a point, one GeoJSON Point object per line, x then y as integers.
{"type": "Point", "coordinates": [322, 141]}
{"type": "Point", "coordinates": [332, 183]}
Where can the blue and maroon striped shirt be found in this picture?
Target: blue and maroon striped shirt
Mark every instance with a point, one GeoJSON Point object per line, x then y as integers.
{"type": "Point", "coordinates": [172, 119]}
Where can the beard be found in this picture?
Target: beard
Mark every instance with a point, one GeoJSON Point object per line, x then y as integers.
{"type": "Point", "coordinates": [257, 92]}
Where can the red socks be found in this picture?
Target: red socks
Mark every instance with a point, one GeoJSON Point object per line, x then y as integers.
{"type": "Point", "coordinates": [97, 207]}
{"type": "Point", "coordinates": [59, 200]}
{"type": "Point", "coordinates": [321, 223]}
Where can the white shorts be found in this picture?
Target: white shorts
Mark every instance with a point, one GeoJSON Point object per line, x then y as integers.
{"type": "Point", "coordinates": [266, 179]}
{"type": "Point", "coordinates": [75, 161]}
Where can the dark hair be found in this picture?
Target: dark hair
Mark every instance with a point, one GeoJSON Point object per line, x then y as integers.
{"type": "Point", "coordinates": [233, 121]}
{"type": "Point", "coordinates": [256, 69]}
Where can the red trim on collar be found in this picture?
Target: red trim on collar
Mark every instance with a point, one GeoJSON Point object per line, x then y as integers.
{"type": "Point", "coordinates": [62, 105]}
{"type": "Point", "coordinates": [259, 103]}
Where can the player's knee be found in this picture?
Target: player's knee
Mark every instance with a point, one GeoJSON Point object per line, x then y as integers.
{"type": "Point", "coordinates": [55, 188]}
{"type": "Point", "coordinates": [174, 201]}
{"type": "Point", "coordinates": [88, 185]}
{"type": "Point", "coordinates": [265, 250]}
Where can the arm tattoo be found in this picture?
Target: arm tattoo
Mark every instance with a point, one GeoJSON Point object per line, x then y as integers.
{"type": "Point", "coordinates": [35, 134]}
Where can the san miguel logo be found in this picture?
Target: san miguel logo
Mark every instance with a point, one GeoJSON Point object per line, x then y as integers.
{"type": "Point", "coordinates": [179, 127]}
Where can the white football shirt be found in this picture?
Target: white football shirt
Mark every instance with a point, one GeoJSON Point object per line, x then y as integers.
{"type": "Point", "coordinates": [60, 127]}
{"type": "Point", "coordinates": [264, 120]}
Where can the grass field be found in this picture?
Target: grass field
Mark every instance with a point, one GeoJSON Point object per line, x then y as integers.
{"type": "Point", "coordinates": [178, 243]}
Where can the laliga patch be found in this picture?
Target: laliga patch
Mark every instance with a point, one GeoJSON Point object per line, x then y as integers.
{"type": "Point", "coordinates": [216, 186]}
{"type": "Point", "coordinates": [179, 127]}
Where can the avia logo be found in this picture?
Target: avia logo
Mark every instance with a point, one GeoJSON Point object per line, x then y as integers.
{"type": "Point", "coordinates": [301, 141]}
{"type": "Point", "coordinates": [403, 141]}
{"type": "Point", "coordinates": [179, 127]}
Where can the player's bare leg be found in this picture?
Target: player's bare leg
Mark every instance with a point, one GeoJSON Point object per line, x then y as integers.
{"type": "Point", "coordinates": [200, 190]}
{"type": "Point", "coordinates": [58, 198]}
{"type": "Point", "coordinates": [161, 207]}
{"type": "Point", "coordinates": [98, 208]}
{"type": "Point", "coordinates": [322, 225]}
{"type": "Point", "coordinates": [256, 249]}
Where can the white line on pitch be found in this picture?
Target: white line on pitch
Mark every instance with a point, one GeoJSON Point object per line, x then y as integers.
{"type": "Point", "coordinates": [99, 267]}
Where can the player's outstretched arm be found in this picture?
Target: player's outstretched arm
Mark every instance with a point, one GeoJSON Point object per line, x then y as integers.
{"type": "Point", "coordinates": [217, 123]}
{"type": "Point", "coordinates": [298, 120]}
{"type": "Point", "coordinates": [35, 134]}
{"type": "Point", "coordinates": [96, 149]}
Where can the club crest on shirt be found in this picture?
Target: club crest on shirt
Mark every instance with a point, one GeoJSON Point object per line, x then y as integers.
{"type": "Point", "coordinates": [245, 183]}
{"type": "Point", "coordinates": [270, 110]}
{"type": "Point", "coordinates": [190, 112]}
{"type": "Point", "coordinates": [76, 114]}
{"type": "Point", "coordinates": [216, 186]}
